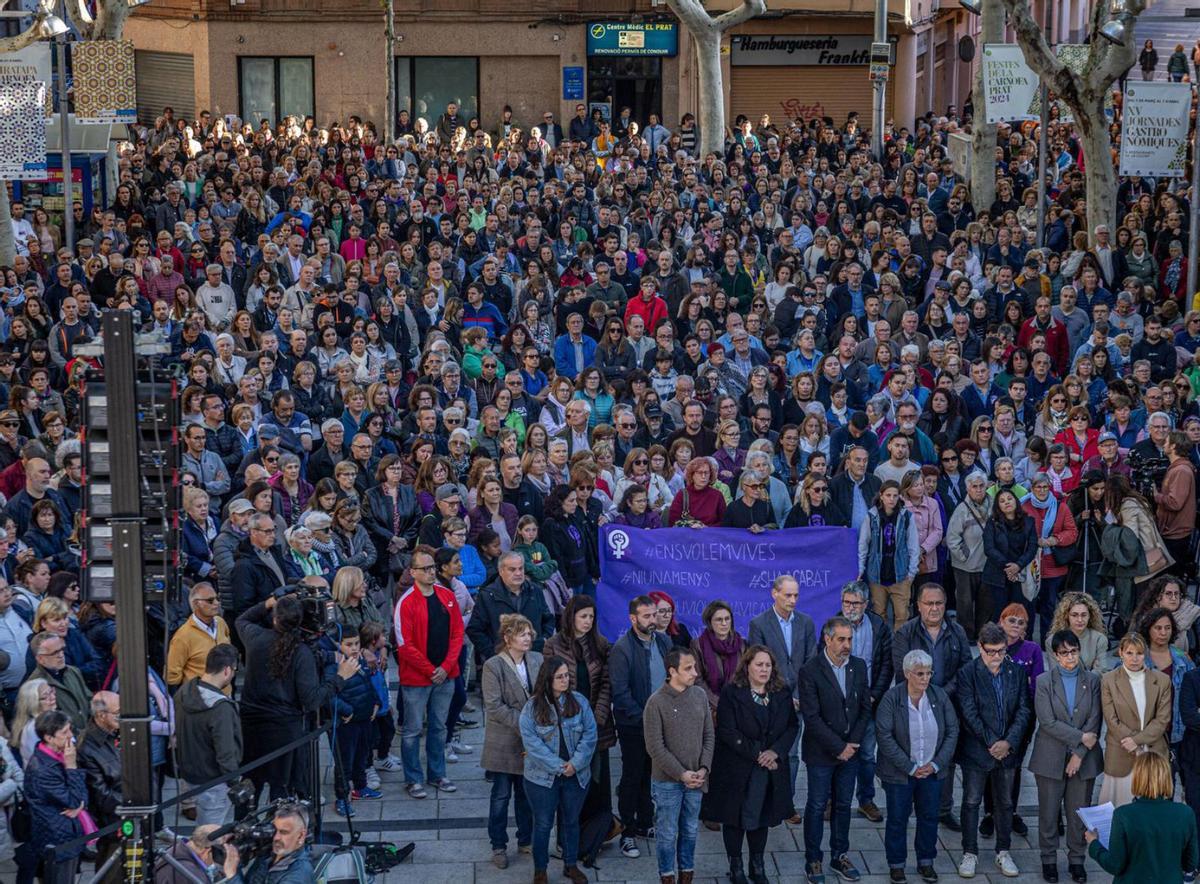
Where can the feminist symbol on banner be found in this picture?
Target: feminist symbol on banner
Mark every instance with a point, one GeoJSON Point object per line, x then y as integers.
{"type": "Point", "coordinates": [618, 542]}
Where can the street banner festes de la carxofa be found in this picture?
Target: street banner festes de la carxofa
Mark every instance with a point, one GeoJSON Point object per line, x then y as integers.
{"type": "Point", "coordinates": [696, 566]}
{"type": "Point", "coordinates": [1009, 85]}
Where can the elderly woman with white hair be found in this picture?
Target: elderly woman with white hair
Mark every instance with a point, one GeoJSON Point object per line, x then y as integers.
{"type": "Point", "coordinates": [300, 560]}
{"type": "Point", "coordinates": [916, 730]}
{"type": "Point", "coordinates": [760, 458]}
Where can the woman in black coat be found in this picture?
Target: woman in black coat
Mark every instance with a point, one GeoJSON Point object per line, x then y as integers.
{"type": "Point", "coordinates": [391, 516]}
{"type": "Point", "coordinates": [1010, 544]}
{"type": "Point", "coordinates": [749, 789]}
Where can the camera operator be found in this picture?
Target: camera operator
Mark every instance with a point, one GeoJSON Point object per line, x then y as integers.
{"type": "Point", "coordinates": [197, 856]}
{"type": "Point", "coordinates": [282, 686]}
{"type": "Point", "coordinates": [288, 862]}
{"type": "Point", "coordinates": [1175, 500]}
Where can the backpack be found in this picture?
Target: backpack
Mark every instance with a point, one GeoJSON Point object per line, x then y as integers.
{"type": "Point", "coordinates": [592, 834]}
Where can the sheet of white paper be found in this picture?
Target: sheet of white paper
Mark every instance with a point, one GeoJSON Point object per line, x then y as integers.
{"type": "Point", "coordinates": [1099, 820]}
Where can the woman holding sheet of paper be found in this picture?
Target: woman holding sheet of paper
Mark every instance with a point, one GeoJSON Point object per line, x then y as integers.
{"type": "Point", "coordinates": [1153, 838]}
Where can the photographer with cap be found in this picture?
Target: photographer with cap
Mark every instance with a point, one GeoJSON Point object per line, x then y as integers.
{"type": "Point", "coordinates": [283, 688]}
{"type": "Point", "coordinates": [289, 861]}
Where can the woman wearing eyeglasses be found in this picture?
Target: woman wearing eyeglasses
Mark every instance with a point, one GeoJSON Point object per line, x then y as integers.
{"type": "Point", "coordinates": [1067, 705]}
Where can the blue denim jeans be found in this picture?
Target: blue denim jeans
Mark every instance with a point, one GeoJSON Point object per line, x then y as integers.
{"type": "Point", "coordinates": [926, 794]}
{"type": "Point", "coordinates": [421, 704]}
{"type": "Point", "coordinates": [676, 826]}
{"type": "Point", "coordinates": [566, 798]}
{"type": "Point", "coordinates": [827, 781]}
{"type": "Point", "coordinates": [866, 766]}
{"type": "Point", "coordinates": [504, 785]}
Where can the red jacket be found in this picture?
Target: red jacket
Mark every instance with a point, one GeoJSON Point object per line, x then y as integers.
{"type": "Point", "coordinates": [1064, 529]}
{"type": "Point", "coordinates": [1058, 345]}
{"type": "Point", "coordinates": [411, 622]}
{"type": "Point", "coordinates": [1090, 449]}
{"type": "Point", "coordinates": [652, 311]}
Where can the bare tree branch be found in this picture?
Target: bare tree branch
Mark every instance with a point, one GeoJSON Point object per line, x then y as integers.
{"type": "Point", "coordinates": [748, 10]}
{"type": "Point", "coordinates": [1038, 54]}
{"type": "Point", "coordinates": [81, 17]}
{"type": "Point", "coordinates": [36, 31]}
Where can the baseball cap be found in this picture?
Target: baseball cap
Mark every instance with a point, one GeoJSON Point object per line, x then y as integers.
{"type": "Point", "coordinates": [653, 410]}
{"type": "Point", "coordinates": [239, 506]}
{"type": "Point", "coordinates": [268, 431]}
{"type": "Point", "coordinates": [446, 491]}
{"type": "Point", "coordinates": [1105, 437]}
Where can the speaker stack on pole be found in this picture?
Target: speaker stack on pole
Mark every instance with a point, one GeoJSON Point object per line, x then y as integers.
{"type": "Point", "coordinates": [131, 497]}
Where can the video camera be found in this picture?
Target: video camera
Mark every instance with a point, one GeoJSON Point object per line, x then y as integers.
{"type": "Point", "coordinates": [1147, 473]}
{"type": "Point", "coordinates": [253, 835]}
{"type": "Point", "coordinates": [316, 604]}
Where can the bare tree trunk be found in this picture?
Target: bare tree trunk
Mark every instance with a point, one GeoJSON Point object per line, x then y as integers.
{"type": "Point", "coordinates": [8, 246]}
{"type": "Point", "coordinates": [983, 135]}
{"type": "Point", "coordinates": [389, 42]}
{"type": "Point", "coordinates": [1100, 177]}
{"type": "Point", "coordinates": [706, 33]}
{"type": "Point", "coordinates": [712, 93]}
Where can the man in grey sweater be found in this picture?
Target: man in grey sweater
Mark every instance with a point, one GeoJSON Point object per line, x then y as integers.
{"type": "Point", "coordinates": [679, 740]}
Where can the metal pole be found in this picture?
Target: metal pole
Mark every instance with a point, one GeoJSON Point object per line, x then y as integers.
{"type": "Point", "coordinates": [137, 784]}
{"type": "Point", "coordinates": [1193, 252]}
{"type": "Point", "coordinates": [879, 96]}
{"type": "Point", "coordinates": [1043, 148]}
{"type": "Point", "coordinates": [64, 136]}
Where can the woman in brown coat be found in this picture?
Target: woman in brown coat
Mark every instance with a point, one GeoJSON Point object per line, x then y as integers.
{"type": "Point", "coordinates": [1137, 708]}
{"type": "Point", "coordinates": [507, 682]}
{"type": "Point", "coordinates": [586, 652]}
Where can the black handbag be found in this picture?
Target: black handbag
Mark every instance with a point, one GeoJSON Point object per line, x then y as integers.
{"type": "Point", "coordinates": [21, 821]}
{"type": "Point", "coordinates": [1064, 555]}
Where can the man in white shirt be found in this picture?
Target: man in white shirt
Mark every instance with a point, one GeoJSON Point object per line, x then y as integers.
{"type": "Point", "coordinates": [21, 228]}
{"type": "Point", "coordinates": [216, 299]}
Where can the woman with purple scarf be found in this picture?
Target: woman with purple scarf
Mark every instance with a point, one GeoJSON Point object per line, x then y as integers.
{"type": "Point", "coordinates": [717, 649]}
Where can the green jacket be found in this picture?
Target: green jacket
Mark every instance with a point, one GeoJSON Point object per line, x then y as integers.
{"type": "Point", "coordinates": [1153, 839]}
{"type": "Point", "coordinates": [538, 564]}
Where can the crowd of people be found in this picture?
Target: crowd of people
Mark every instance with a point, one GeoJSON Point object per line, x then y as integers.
{"type": "Point", "coordinates": [420, 373]}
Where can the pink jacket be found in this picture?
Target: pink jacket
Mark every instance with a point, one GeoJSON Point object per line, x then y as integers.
{"type": "Point", "coordinates": [928, 519]}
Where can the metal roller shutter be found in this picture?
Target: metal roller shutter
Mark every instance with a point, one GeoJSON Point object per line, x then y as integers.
{"type": "Point", "coordinates": [804, 92]}
{"type": "Point", "coordinates": [165, 78]}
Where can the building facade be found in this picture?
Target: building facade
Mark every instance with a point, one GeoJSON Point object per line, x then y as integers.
{"type": "Point", "coordinates": [265, 59]}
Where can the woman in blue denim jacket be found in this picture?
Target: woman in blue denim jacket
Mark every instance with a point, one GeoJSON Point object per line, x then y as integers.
{"type": "Point", "coordinates": [1158, 628]}
{"type": "Point", "coordinates": [559, 735]}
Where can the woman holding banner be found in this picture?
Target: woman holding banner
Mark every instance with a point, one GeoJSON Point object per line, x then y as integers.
{"type": "Point", "coordinates": [814, 507]}
{"type": "Point", "coordinates": [698, 505]}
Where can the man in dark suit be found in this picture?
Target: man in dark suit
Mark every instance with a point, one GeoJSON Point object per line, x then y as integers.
{"type": "Point", "coordinates": [993, 702]}
{"type": "Point", "coordinates": [835, 702]}
{"type": "Point", "coordinates": [871, 642]}
{"type": "Point", "coordinates": [791, 638]}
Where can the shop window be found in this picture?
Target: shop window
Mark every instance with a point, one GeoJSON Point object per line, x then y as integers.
{"type": "Point", "coordinates": [274, 88]}
{"type": "Point", "coordinates": [426, 84]}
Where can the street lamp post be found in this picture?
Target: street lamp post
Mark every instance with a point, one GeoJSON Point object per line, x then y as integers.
{"type": "Point", "coordinates": [64, 142]}
{"type": "Point", "coordinates": [1193, 252]}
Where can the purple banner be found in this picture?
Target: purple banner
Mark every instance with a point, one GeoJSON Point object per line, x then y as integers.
{"type": "Point", "coordinates": [696, 567]}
